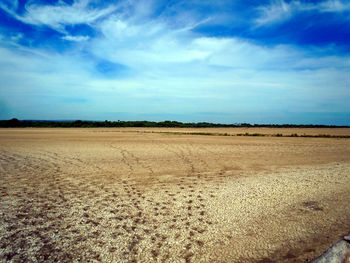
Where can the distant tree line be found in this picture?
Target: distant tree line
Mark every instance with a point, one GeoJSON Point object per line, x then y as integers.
{"type": "Point", "coordinates": [165, 124]}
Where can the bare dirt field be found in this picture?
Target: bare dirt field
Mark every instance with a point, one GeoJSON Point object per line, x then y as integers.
{"type": "Point", "coordinates": [127, 195]}
{"type": "Point", "coordinates": [242, 130]}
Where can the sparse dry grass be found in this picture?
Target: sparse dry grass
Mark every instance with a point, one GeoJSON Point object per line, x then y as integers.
{"type": "Point", "coordinates": [135, 196]}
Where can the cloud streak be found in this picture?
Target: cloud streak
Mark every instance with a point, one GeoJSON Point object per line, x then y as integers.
{"type": "Point", "coordinates": [76, 38]}
{"type": "Point", "coordinates": [280, 10]}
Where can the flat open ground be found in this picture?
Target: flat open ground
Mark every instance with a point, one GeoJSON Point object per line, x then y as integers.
{"type": "Point", "coordinates": [126, 195]}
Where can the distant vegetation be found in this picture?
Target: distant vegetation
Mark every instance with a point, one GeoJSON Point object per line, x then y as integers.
{"type": "Point", "coordinates": [168, 124]}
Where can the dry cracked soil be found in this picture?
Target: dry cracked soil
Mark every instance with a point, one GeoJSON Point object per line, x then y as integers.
{"type": "Point", "coordinates": [126, 195]}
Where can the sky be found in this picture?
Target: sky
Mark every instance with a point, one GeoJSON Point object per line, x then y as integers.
{"type": "Point", "coordinates": [256, 61]}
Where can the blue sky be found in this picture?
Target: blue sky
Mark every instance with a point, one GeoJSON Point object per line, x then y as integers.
{"type": "Point", "coordinates": [257, 61]}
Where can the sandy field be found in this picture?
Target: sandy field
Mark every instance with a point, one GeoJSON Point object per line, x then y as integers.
{"type": "Point", "coordinates": [243, 130]}
{"type": "Point", "coordinates": [126, 195]}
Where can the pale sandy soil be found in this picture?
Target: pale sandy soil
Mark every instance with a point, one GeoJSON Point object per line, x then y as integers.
{"type": "Point", "coordinates": [116, 196]}
{"type": "Point", "coordinates": [243, 130]}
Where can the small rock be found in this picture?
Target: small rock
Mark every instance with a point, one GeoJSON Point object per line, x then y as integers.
{"type": "Point", "coordinates": [347, 238]}
{"type": "Point", "coordinates": [339, 252]}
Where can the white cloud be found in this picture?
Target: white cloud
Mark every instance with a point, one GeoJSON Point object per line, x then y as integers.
{"type": "Point", "coordinates": [330, 6]}
{"type": "Point", "coordinates": [61, 14]}
{"type": "Point", "coordinates": [76, 38]}
{"type": "Point", "coordinates": [158, 48]}
{"type": "Point", "coordinates": [139, 45]}
{"type": "Point", "coordinates": [279, 10]}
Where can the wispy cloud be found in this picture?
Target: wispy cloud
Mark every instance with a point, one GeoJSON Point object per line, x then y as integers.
{"type": "Point", "coordinates": [276, 11]}
{"type": "Point", "coordinates": [280, 10]}
{"type": "Point", "coordinates": [328, 6]}
{"type": "Point", "coordinates": [75, 38]}
{"type": "Point", "coordinates": [61, 14]}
